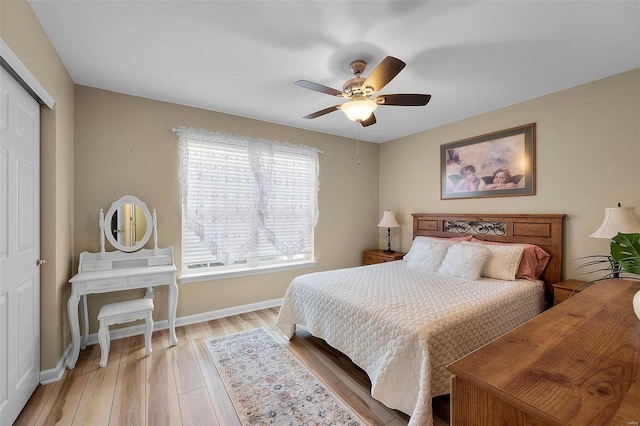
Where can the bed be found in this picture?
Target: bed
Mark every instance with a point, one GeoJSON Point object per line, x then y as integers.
{"type": "Point", "coordinates": [403, 322]}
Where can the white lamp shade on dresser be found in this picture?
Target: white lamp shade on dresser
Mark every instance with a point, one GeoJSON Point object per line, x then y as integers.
{"type": "Point", "coordinates": [617, 219]}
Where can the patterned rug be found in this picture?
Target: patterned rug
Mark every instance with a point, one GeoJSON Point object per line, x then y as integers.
{"type": "Point", "coordinates": [270, 386]}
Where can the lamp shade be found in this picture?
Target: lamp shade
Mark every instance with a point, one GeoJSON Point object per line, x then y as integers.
{"type": "Point", "coordinates": [388, 220]}
{"type": "Point", "coordinates": [617, 219]}
{"type": "Point", "coordinates": [359, 110]}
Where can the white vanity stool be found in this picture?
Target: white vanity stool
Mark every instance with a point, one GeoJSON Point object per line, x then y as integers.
{"type": "Point", "coordinates": [121, 312]}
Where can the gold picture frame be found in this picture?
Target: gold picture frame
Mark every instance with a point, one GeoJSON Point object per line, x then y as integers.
{"type": "Point", "coordinates": [498, 164]}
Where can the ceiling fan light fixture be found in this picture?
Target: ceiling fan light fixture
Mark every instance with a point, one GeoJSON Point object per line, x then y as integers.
{"type": "Point", "coordinates": [358, 91]}
{"type": "Point", "coordinates": [359, 110]}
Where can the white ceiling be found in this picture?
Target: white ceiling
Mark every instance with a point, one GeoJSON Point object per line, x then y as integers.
{"type": "Point", "coordinates": [242, 57]}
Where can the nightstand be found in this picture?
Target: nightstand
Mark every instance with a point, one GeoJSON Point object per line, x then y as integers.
{"type": "Point", "coordinates": [370, 257]}
{"type": "Point", "coordinates": [562, 290]}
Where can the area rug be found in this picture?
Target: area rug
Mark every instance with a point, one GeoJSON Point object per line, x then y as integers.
{"type": "Point", "coordinates": [270, 386]}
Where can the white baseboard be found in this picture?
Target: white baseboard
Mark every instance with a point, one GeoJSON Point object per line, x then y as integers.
{"type": "Point", "coordinates": [55, 374]}
{"type": "Point", "coordinates": [222, 313]}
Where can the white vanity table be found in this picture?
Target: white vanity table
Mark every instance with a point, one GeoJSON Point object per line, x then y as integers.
{"type": "Point", "coordinates": [128, 227]}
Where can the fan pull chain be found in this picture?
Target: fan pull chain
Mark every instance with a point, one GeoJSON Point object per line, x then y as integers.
{"type": "Point", "coordinates": [358, 151]}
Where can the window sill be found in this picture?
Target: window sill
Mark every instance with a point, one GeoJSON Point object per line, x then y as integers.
{"type": "Point", "coordinates": [211, 275]}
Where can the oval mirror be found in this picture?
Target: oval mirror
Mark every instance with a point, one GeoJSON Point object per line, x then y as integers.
{"type": "Point", "coordinates": [128, 224]}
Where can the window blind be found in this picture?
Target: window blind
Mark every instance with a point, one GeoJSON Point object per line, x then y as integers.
{"type": "Point", "coordinates": [245, 201]}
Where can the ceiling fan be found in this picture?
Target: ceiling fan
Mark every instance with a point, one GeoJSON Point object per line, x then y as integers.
{"type": "Point", "coordinates": [359, 90]}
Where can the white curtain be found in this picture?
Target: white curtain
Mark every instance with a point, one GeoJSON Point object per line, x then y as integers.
{"type": "Point", "coordinates": [287, 177]}
{"type": "Point", "coordinates": [245, 197]}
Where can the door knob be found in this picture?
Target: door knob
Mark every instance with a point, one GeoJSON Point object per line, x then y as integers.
{"type": "Point", "coordinates": [40, 262]}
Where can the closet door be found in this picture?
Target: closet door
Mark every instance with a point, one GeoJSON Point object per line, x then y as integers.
{"type": "Point", "coordinates": [19, 247]}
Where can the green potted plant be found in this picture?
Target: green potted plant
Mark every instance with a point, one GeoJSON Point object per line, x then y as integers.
{"type": "Point", "coordinates": [625, 251]}
{"type": "Point", "coordinates": [623, 262]}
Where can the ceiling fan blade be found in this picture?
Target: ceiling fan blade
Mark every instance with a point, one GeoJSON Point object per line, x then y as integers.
{"type": "Point", "coordinates": [369, 121]}
{"type": "Point", "coordinates": [322, 112]}
{"type": "Point", "coordinates": [384, 73]}
{"type": "Point", "coordinates": [404, 100]}
{"type": "Point", "coordinates": [319, 88]}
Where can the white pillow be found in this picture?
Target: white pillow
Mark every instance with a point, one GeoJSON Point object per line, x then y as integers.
{"type": "Point", "coordinates": [427, 255]}
{"type": "Point", "coordinates": [465, 260]}
{"type": "Point", "coordinates": [504, 261]}
{"type": "Point", "coordinates": [420, 239]}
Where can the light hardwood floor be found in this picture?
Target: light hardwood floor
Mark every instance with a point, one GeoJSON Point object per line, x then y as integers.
{"type": "Point", "coordinates": [179, 385]}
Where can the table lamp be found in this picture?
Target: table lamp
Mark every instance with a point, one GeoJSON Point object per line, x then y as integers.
{"type": "Point", "coordinates": [617, 219]}
{"type": "Point", "coordinates": [388, 221]}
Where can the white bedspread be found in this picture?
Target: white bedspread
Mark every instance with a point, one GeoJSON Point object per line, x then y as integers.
{"type": "Point", "coordinates": [404, 326]}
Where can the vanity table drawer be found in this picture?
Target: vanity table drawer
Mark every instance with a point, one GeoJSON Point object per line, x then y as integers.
{"type": "Point", "coordinates": [144, 280]}
{"type": "Point", "coordinates": [160, 260]}
{"type": "Point", "coordinates": [106, 283]}
{"type": "Point", "coordinates": [96, 266]}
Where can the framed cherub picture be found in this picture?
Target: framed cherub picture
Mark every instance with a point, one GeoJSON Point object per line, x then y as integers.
{"type": "Point", "coordinates": [499, 164]}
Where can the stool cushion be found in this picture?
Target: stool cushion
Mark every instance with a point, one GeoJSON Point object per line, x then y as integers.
{"type": "Point", "coordinates": [123, 308]}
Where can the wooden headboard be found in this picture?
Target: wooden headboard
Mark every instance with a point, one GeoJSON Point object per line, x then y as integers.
{"type": "Point", "coordinates": [543, 230]}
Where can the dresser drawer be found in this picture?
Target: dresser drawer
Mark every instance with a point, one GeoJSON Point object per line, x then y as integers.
{"type": "Point", "coordinates": [107, 283]}
{"type": "Point", "coordinates": [146, 280]}
{"type": "Point", "coordinates": [370, 259]}
{"type": "Point", "coordinates": [563, 290]}
{"type": "Point", "coordinates": [560, 295]}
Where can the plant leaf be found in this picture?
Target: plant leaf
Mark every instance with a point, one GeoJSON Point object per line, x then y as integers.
{"type": "Point", "coordinates": [625, 249]}
{"type": "Point", "coordinates": [600, 260]}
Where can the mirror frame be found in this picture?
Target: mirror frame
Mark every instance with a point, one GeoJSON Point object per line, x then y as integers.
{"type": "Point", "coordinates": [128, 199]}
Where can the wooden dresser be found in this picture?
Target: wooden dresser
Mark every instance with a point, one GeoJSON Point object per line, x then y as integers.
{"type": "Point", "coordinates": [575, 364]}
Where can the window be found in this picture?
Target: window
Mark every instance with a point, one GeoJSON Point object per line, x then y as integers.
{"type": "Point", "coordinates": [246, 203]}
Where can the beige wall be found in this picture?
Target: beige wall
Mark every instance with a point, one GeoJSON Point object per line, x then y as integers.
{"type": "Point", "coordinates": [21, 31]}
{"type": "Point", "coordinates": [588, 152]}
{"type": "Point", "coordinates": [125, 145]}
